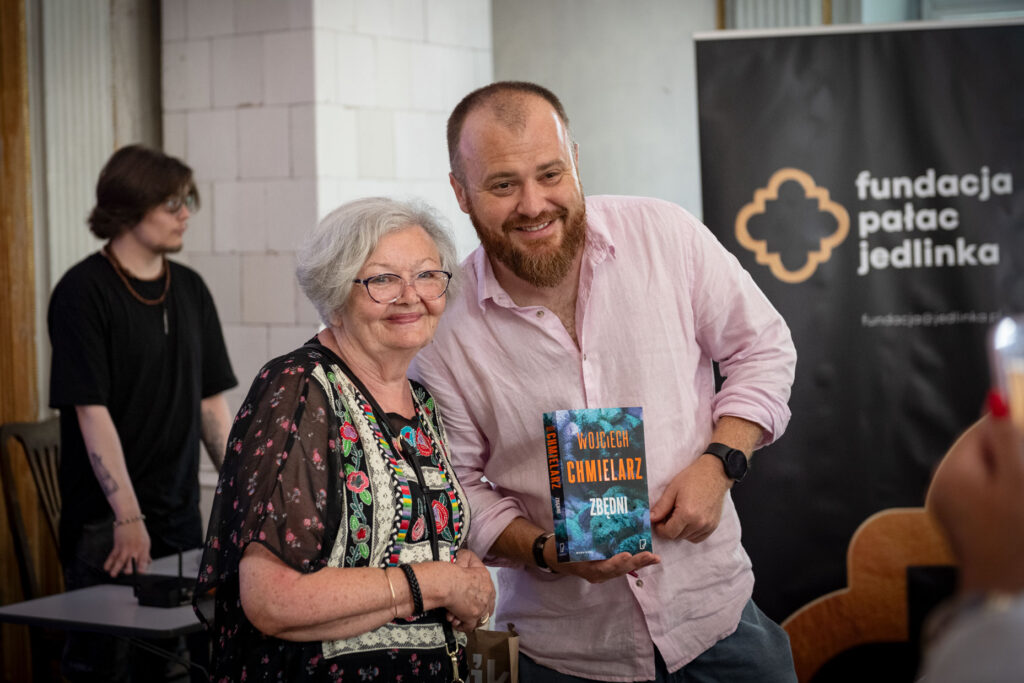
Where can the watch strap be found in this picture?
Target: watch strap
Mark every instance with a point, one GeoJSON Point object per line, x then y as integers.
{"type": "Point", "coordinates": [722, 451]}
{"type": "Point", "coordinates": [719, 450]}
{"type": "Point", "coordinates": [538, 550]}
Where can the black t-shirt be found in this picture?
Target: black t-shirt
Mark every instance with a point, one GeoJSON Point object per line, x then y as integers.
{"type": "Point", "coordinates": [110, 349]}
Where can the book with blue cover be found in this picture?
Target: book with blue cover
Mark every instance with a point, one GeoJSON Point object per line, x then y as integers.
{"type": "Point", "coordinates": [597, 470]}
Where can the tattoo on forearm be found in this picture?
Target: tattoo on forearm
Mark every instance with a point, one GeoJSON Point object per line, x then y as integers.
{"type": "Point", "coordinates": [103, 475]}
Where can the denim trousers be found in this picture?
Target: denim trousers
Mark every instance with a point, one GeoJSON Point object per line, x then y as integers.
{"type": "Point", "coordinates": [757, 652]}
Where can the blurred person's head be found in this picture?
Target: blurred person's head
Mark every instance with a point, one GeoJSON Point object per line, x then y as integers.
{"type": "Point", "coordinates": [146, 189]}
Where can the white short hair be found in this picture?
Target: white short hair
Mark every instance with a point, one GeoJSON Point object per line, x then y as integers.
{"type": "Point", "coordinates": [331, 255]}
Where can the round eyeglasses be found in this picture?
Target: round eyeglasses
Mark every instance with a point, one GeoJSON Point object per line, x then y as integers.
{"type": "Point", "coordinates": [386, 288]}
{"type": "Point", "coordinates": [172, 205]}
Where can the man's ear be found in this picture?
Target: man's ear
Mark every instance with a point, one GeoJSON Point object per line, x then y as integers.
{"type": "Point", "coordinates": [460, 193]}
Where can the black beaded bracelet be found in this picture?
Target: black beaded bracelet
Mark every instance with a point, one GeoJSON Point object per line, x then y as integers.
{"type": "Point", "coordinates": [414, 588]}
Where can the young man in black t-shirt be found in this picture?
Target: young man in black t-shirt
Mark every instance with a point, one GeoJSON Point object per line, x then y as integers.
{"type": "Point", "coordinates": [138, 372]}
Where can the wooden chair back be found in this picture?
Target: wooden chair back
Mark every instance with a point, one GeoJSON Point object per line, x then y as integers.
{"type": "Point", "coordinates": [873, 607]}
{"type": "Point", "coordinates": [40, 443]}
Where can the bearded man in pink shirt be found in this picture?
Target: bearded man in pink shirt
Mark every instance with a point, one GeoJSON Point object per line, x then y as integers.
{"type": "Point", "coordinates": [591, 303]}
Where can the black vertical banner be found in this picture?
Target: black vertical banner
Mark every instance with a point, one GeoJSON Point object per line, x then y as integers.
{"type": "Point", "coordinates": [869, 182]}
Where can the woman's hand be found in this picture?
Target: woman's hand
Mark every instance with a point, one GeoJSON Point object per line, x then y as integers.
{"type": "Point", "coordinates": [976, 496]}
{"type": "Point", "coordinates": [464, 588]}
{"type": "Point", "coordinates": [477, 593]}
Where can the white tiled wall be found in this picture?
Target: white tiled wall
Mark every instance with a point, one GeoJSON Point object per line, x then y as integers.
{"type": "Point", "coordinates": [211, 143]}
{"type": "Point", "coordinates": [230, 57]}
{"type": "Point", "coordinates": [285, 109]}
{"type": "Point", "coordinates": [264, 150]}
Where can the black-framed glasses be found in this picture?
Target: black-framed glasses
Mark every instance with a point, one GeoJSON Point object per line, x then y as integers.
{"type": "Point", "coordinates": [386, 288]}
{"type": "Point", "coordinates": [173, 204]}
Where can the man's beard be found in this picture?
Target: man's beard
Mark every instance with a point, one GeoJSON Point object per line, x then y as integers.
{"type": "Point", "coordinates": [541, 269]}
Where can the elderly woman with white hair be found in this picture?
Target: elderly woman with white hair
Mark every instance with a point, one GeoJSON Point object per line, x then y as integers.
{"type": "Point", "coordinates": [335, 546]}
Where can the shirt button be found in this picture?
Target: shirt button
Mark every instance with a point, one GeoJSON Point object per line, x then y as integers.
{"type": "Point", "coordinates": [639, 583]}
{"type": "Point", "coordinates": [540, 314]}
{"type": "Point", "coordinates": [584, 356]}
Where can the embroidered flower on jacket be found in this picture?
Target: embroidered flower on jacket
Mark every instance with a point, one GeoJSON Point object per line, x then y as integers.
{"type": "Point", "coordinates": [440, 515]}
{"type": "Point", "coordinates": [357, 481]}
{"type": "Point", "coordinates": [422, 445]}
{"type": "Point", "coordinates": [348, 432]}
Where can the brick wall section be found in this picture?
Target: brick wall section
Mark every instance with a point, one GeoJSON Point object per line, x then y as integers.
{"type": "Point", "coordinates": [285, 109]}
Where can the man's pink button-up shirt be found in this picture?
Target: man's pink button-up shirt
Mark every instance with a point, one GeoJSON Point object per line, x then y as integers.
{"type": "Point", "coordinates": [659, 298]}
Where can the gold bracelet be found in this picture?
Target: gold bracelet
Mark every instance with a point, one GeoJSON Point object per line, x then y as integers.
{"type": "Point", "coordinates": [131, 520]}
{"type": "Point", "coordinates": [394, 600]}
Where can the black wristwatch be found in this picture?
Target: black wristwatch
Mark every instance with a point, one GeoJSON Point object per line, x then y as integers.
{"type": "Point", "coordinates": [733, 459]}
{"type": "Point", "coordinates": [538, 551]}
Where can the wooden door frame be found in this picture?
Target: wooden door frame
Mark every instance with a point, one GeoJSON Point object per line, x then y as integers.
{"type": "Point", "coordinates": [18, 390]}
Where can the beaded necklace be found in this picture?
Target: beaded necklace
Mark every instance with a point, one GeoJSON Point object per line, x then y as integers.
{"type": "Point", "coordinates": [123, 273]}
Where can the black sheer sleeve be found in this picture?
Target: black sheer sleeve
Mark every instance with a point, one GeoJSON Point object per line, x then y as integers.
{"type": "Point", "coordinates": [276, 487]}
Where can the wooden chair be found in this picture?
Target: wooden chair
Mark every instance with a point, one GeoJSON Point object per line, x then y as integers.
{"type": "Point", "coordinates": [873, 609]}
{"type": "Point", "coordinates": [40, 443]}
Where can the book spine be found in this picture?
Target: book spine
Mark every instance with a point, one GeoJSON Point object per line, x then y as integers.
{"type": "Point", "coordinates": [556, 481]}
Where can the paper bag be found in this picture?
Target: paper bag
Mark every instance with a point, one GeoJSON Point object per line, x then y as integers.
{"type": "Point", "coordinates": [493, 656]}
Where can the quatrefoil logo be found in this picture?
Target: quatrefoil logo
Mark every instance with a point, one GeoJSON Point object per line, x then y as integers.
{"type": "Point", "coordinates": [792, 226]}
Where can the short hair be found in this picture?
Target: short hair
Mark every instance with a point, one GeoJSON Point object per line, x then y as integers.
{"type": "Point", "coordinates": [330, 256]}
{"type": "Point", "coordinates": [134, 181]}
{"type": "Point", "coordinates": [491, 95]}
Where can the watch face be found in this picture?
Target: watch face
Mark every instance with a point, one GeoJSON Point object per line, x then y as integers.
{"type": "Point", "coordinates": [735, 464]}
{"type": "Point", "coordinates": [733, 461]}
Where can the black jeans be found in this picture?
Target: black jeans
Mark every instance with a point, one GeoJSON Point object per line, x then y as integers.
{"type": "Point", "coordinates": [90, 657]}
